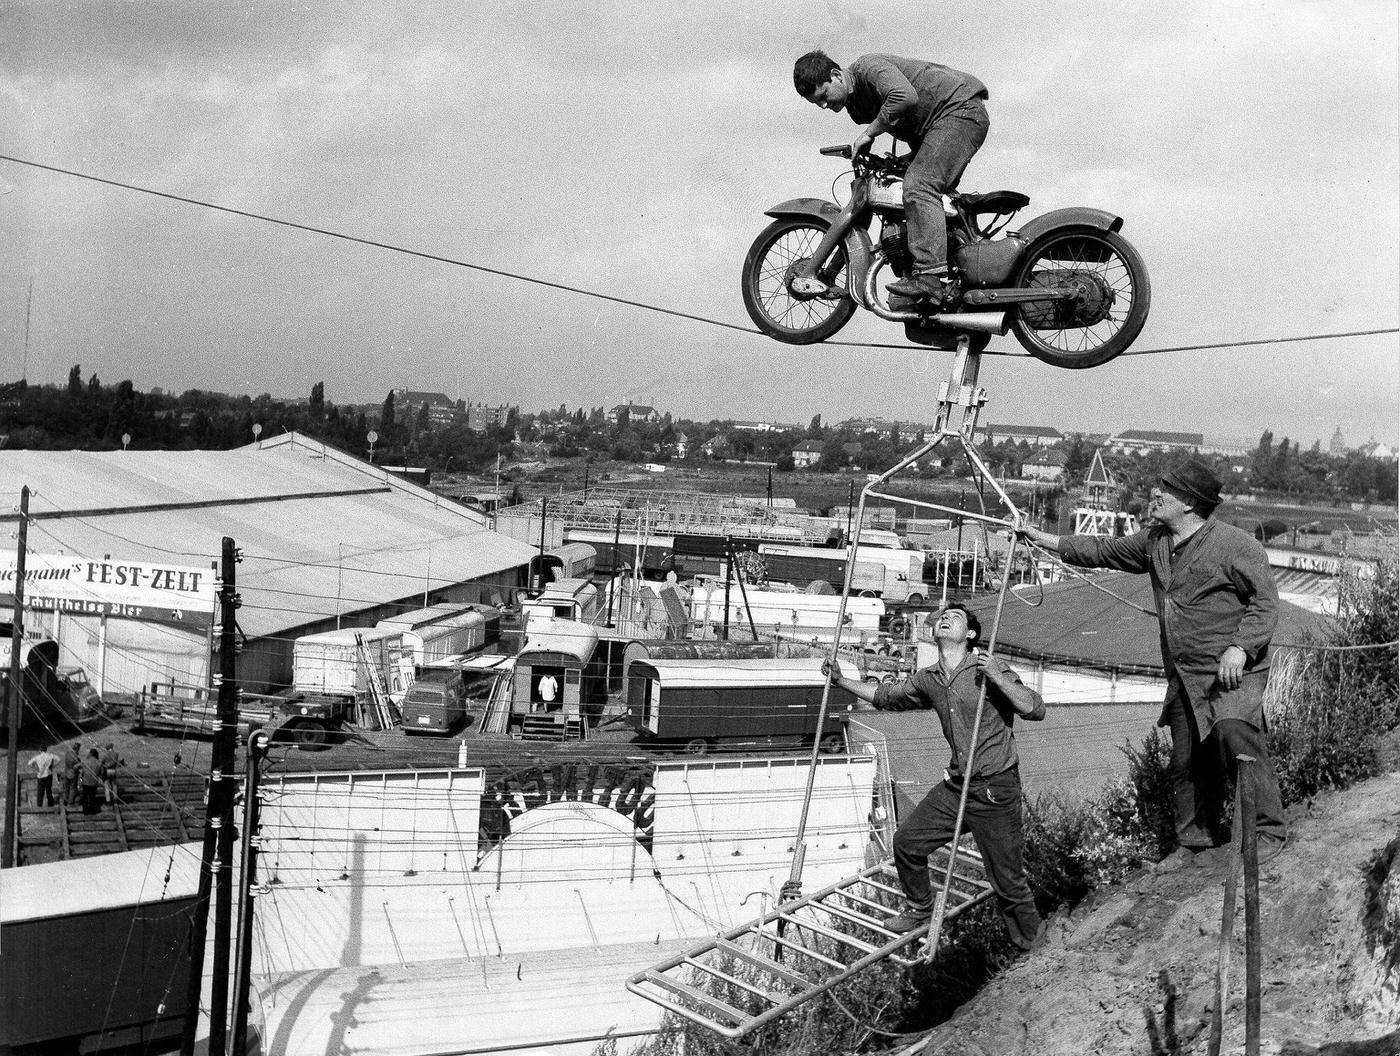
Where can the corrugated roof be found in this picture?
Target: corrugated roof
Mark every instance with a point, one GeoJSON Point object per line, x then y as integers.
{"type": "Point", "coordinates": [321, 531]}
{"type": "Point", "coordinates": [1078, 623]}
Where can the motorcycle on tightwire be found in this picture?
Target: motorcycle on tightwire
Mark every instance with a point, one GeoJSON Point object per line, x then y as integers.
{"type": "Point", "coordinates": [1067, 284]}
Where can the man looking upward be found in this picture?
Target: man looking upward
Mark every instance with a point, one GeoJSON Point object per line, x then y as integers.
{"type": "Point", "coordinates": [1217, 607]}
{"type": "Point", "coordinates": [939, 111]}
{"type": "Point", "coordinates": [951, 688]}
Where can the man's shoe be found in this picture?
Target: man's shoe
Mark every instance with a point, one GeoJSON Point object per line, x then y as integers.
{"type": "Point", "coordinates": [911, 918]}
{"type": "Point", "coordinates": [1179, 859]}
{"type": "Point", "coordinates": [923, 285]}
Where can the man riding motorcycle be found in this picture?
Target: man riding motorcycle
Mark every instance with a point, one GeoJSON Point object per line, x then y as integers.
{"type": "Point", "coordinates": [939, 111]}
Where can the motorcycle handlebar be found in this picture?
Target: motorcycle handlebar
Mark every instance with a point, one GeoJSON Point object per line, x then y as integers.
{"type": "Point", "coordinates": [868, 162]}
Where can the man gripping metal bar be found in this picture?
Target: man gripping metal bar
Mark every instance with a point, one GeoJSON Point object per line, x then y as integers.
{"type": "Point", "coordinates": [951, 689]}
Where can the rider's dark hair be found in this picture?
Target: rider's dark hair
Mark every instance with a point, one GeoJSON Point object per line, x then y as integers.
{"type": "Point", "coordinates": [812, 71]}
{"type": "Point", "coordinates": [973, 623]}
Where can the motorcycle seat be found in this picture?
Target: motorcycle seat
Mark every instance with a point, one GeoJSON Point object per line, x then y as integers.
{"type": "Point", "coordinates": [993, 202]}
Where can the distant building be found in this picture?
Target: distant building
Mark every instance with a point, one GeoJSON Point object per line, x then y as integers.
{"type": "Point", "coordinates": [1035, 435]}
{"type": "Point", "coordinates": [763, 427]}
{"type": "Point", "coordinates": [481, 417]}
{"type": "Point", "coordinates": [1373, 448]}
{"type": "Point", "coordinates": [1141, 441]}
{"type": "Point", "coordinates": [908, 432]}
{"type": "Point", "coordinates": [1044, 465]}
{"type": "Point", "coordinates": [807, 454]}
{"type": "Point", "coordinates": [715, 447]}
{"type": "Point", "coordinates": [1338, 445]}
{"type": "Point", "coordinates": [411, 398]}
{"type": "Point", "coordinates": [682, 443]}
{"type": "Point", "coordinates": [636, 412]}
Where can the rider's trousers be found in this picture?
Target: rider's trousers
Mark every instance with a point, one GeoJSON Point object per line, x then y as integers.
{"type": "Point", "coordinates": [942, 154]}
{"type": "Point", "coordinates": [994, 808]}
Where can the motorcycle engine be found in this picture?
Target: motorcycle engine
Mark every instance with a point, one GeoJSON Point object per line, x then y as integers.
{"type": "Point", "coordinates": [894, 242]}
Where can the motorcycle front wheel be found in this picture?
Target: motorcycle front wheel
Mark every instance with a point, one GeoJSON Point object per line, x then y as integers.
{"type": "Point", "coordinates": [772, 260]}
{"type": "Point", "coordinates": [1106, 317]}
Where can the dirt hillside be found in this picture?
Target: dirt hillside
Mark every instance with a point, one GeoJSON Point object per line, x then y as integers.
{"type": "Point", "coordinates": [1324, 902]}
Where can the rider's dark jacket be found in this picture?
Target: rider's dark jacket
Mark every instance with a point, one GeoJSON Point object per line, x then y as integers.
{"type": "Point", "coordinates": [908, 94]}
{"type": "Point", "coordinates": [1214, 591]}
{"type": "Point", "coordinates": [954, 701]}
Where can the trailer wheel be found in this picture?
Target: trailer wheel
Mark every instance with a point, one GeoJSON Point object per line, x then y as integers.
{"type": "Point", "coordinates": [832, 743]}
{"type": "Point", "coordinates": [915, 599]}
{"type": "Point", "coordinates": [307, 734]}
{"type": "Point", "coordinates": [697, 746]}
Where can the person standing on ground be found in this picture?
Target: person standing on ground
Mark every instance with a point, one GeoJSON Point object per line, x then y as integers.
{"type": "Point", "coordinates": [951, 689]}
{"type": "Point", "coordinates": [92, 779]}
{"type": "Point", "coordinates": [939, 111]}
{"type": "Point", "coordinates": [111, 761]}
{"type": "Point", "coordinates": [68, 773]}
{"type": "Point", "coordinates": [1217, 606]}
{"type": "Point", "coordinates": [44, 763]}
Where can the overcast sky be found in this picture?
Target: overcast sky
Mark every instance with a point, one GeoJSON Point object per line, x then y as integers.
{"type": "Point", "coordinates": [631, 148]}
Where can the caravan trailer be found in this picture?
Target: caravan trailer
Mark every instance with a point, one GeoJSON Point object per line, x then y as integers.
{"type": "Point", "coordinates": [441, 631]}
{"type": "Point", "coordinates": [559, 681]}
{"type": "Point", "coordinates": [735, 704]}
{"type": "Point", "coordinates": [570, 561]}
{"type": "Point", "coordinates": [786, 615]}
{"type": "Point", "coordinates": [564, 599]}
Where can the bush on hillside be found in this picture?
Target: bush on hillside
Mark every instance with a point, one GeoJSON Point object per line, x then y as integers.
{"type": "Point", "coordinates": [1149, 771]}
{"type": "Point", "coordinates": [1326, 705]}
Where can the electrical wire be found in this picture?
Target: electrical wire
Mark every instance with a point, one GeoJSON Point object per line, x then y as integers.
{"type": "Point", "coordinates": [595, 294]}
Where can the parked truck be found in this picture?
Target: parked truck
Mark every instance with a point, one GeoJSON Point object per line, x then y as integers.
{"type": "Point", "coordinates": [333, 670]}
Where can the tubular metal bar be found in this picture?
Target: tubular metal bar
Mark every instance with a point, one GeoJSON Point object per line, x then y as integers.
{"type": "Point", "coordinates": [969, 767]}
{"type": "Point", "coordinates": [965, 514]}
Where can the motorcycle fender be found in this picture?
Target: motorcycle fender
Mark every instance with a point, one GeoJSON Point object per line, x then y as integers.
{"type": "Point", "coordinates": [1075, 216]}
{"type": "Point", "coordinates": [858, 246]}
{"type": "Point", "coordinates": [819, 207]}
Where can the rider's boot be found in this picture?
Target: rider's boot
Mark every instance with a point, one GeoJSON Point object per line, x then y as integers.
{"type": "Point", "coordinates": [930, 286]}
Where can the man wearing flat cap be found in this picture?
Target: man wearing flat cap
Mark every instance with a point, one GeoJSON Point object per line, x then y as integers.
{"type": "Point", "coordinates": [1217, 606]}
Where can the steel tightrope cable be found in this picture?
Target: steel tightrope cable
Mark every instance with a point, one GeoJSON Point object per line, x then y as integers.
{"type": "Point", "coordinates": [597, 294]}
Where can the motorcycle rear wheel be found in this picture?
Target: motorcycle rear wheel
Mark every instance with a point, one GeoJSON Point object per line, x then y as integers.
{"type": "Point", "coordinates": [770, 263]}
{"type": "Point", "coordinates": [1083, 335]}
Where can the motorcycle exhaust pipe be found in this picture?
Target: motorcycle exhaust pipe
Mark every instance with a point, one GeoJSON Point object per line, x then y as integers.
{"type": "Point", "coordinates": [982, 322]}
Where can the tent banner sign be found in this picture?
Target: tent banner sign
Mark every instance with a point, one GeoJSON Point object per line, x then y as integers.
{"type": "Point", "coordinates": [127, 590]}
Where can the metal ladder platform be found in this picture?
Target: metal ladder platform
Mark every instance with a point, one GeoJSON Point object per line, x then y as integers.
{"type": "Point", "coordinates": [736, 982]}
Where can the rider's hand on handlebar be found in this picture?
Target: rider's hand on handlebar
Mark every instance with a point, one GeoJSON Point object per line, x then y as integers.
{"type": "Point", "coordinates": [861, 144]}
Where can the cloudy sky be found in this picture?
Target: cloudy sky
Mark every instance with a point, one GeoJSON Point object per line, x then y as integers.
{"type": "Point", "coordinates": [630, 149]}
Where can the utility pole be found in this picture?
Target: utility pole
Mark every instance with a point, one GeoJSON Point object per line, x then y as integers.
{"type": "Point", "coordinates": [544, 508]}
{"type": "Point", "coordinates": [15, 697]}
{"type": "Point", "coordinates": [247, 876]}
{"type": "Point", "coordinates": [215, 873]}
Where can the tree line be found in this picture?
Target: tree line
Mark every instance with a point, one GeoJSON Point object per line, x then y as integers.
{"type": "Point", "coordinates": [86, 414]}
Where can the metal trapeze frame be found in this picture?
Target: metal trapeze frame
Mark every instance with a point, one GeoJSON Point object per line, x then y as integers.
{"type": "Point", "coordinates": [783, 987]}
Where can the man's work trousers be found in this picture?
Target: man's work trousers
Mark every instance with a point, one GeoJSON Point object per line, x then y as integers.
{"type": "Point", "coordinates": [935, 169]}
{"type": "Point", "coordinates": [994, 819]}
{"type": "Point", "coordinates": [1200, 768]}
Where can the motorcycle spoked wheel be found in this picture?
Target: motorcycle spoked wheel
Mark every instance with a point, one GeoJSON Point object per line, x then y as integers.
{"type": "Point", "coordinates": [1106, 321]}
{"type": "Point", "coordinates": [775, 254]}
